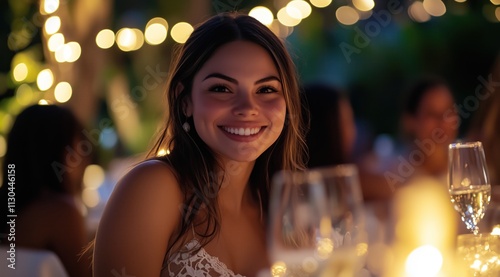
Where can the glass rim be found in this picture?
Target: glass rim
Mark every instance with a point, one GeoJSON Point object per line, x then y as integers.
{"type": "Point", "coordinates": [468, 144]}
{"type": "Point", "coordinates": [340, 169]}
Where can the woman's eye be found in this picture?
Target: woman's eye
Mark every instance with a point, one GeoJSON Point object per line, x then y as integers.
{"type": "Point", "coordinates": [267, 90]}
{"type": "Point", "coordinates": [219, 88]}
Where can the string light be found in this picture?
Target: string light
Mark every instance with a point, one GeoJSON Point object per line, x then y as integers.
{"type": "Point", "coordinates": [105, 39]}
{"type": "Point", "coordinates": [347, 15]}
{"type": "Point", "coordinates": [156, 31]}
{"type": "Point", "coordinates": [45, 79]}
{"type": "Point", "coordinates": [52, 25]}
{"type": "Point", "coordinates": [181, 32]}
{"type": "Point", "coordinates": [63, 92]}
{"type": "Point", "coordinates": [262, 14]}
{"type": "Point", "coordinates": [20, 72]}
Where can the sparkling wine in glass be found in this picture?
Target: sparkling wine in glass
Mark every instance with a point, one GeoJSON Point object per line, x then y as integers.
{"type": "Point", "coordinates": [315, 222]}
{"type": "Point", "coordinates": [469, 183]}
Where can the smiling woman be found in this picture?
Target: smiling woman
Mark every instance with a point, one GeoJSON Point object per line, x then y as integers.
{"type": "Point", "coordinates": [234, 119]}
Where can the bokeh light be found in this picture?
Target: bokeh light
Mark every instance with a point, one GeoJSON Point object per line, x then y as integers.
{"type": "Point", "coordinates": [129, 39]}
{"type": "Point", "coordinates": [363, 5]}
{"type": "Point", "coordinates": [417, 12]}
{"type": "Point", "coordinates": [45, 79]}
{"type": "Point", "coordinates": [181, 32]}
{"type": "Point", "coordinates": [63, 92]}
{"type": "Point", "coordinates": [425, 261]}
{"type": "Point", "coordinates": [90, 197]}
{"type": "Point", "coordinates": [156, 31]}
{"type": "Point", "coordinates": [49, 6]}
{"type": "Point", "coordinates": [497, 13]}
{"type": "Point", "coordinates": [52, 25]}
{"type": "Point", "coordinates": [285, 18]}
{"type": "Point", "coordinates": [299, 6]}
{"type": "Point", "coordinates": [280, 30]}
{"type": "Point", "coordinates": [495, 2]}
{"type": "Point", "coordinates": [55, 41]}
{"type": "Point", "coordinates": [347, 15]}
{"type": "Point", "coordinates": [262, 14]}
{"type": "Point", "coordinates": [434, 7]}
{"type": "Point", "coordinates": [105, 39]}
{"type": "Point", "coordinates": [43, 102]}
{"type": "Point", "coordinates": [94, 176]}
{"type": "Point", "coordinates": [20, 72]}
{"type": "Point", "coordinates": [321, 3]}
{"type": "Point", "coordinates": [24, 95]}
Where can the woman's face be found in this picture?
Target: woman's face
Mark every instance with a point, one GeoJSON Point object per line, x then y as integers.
{"type": "Point", "coordinates": [237, 102]}
{"type": "Point", "coordinates": [435, 113]}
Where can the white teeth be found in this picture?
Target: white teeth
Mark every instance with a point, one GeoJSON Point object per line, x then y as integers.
{"type": "Point", "coordinates": [242, 131]}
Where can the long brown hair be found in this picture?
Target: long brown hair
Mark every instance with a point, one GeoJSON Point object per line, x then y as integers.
{"type": "Point", "coordinates": [198, 171]}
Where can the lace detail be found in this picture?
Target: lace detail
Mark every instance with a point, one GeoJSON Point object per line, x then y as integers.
{"type": "Point", "coordinates": [186, 264]}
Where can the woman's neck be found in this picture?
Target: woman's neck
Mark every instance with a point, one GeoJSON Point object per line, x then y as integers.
{"type": "Point", "coordinates": [235, 193]}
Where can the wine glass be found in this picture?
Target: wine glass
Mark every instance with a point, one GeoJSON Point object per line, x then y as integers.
{"type": "Point", "coordinates": [316, 222]}
{"type": "Point", "coordinates": [468, 182]}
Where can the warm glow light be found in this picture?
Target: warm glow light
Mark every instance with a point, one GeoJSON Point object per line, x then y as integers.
{"type": "Point", "coordinates": [55, 41]}
{"type": "Point", "coordinates": [24, 95]}
{"type": "Point", "coordinates": [71, 51]}
{"type": "Point", "coordinates": [285, 18]}
{"type": "Point", "coordinates": [43, 102]}
{"type": "Point", "coordinates": [90, 197]}
{"type": "Point", "coordinates": [425, 261]}
{"type": "Point", "coordinates": [262, 14]}
{"type": "Point", "coordinates": [94, 176]}
{"type": "Point", "coordinates": [324, 248]}
{"type": "Point", "coordinates": [63, 92]}
{"type": "Point", "coordinates": [163, 152]}
{"type": "Point", "coordinates": [52, 25]}
{"type": "Point", "coordinates": [20, 72]}
{"type": "Point", "coordinates": [49, 6]}
{"type": "Point", "coordinates": [434, 7]}
{"type": "Point", "coordinates": [347, 15]}
{"type": "Point", "coordinates": [363, 5]}
{"type": "Point", "coordinates": [278, 269]}
{"type": "Point", "coordinates": [497, 13]}
{"type": "Point", "coordinates": [45, 79]}
{"type": "Point", "coordinates": [156, 31]}
{"type": "Point", "coordinates": [321, 3]}
{"type": "Point", "coordinates": [105, 39]}
{"type": "Point", "coordinates": [126, 39]}
{"type": "Point", "coordinates": [181, 32]}
{"type": "Point", "coordinates": [496, 230]}
{"type": "Point", "coordinates": [302, 7]}
{"type": "Point", "coordinates": [417, 12]}
{"type": "Point", "coordinates": [3, 146]}
{"type": "Point", "coordinates": [280, 30]}
{"type": "Point", "coordinates": [495, 2]}
{"type": "Point", "coordinates": [460, 1]}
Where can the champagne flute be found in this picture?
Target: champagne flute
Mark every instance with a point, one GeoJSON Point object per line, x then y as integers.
{"type": "Point", "coordinates": [469, 183]}
{"type": "Point", "coordinates": [313, 216]}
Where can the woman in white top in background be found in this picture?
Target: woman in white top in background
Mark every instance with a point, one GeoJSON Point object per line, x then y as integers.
{"type": "Point", "coordinates": [234, 119]}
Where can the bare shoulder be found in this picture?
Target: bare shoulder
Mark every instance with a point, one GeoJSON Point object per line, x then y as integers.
{"type": "Point", "coordinates": [140, 217]}
{"type": "Point", "coordinates": [150, 176]}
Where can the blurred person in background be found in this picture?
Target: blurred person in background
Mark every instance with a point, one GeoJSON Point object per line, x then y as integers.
{"type": "Point", "coordinates": [43, 150]}
{"type": "Point", "coordinates": [332, 134]}
{"type": "Point", "coordinates": [429, 124]}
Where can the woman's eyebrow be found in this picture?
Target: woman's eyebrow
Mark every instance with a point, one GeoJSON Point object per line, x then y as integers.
{"type": "Point", "coordinates": [232, 80]}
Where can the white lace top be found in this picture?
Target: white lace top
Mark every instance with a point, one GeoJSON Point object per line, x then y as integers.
{"type": "Point", "coordinates": [201, 264]}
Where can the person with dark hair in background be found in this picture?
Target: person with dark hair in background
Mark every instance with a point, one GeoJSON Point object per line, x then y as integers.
{"type": "Point", "coordinates": [332, 131]}
{"type": "Point", "coordinates": [41, 149]}
{"type": "Point", "coordinates": [429, 123]}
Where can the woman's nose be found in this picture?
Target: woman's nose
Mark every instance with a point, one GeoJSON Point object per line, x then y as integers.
{"type": "Point", "coordinates": [245, 104]}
